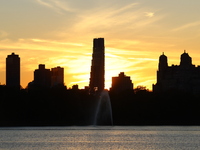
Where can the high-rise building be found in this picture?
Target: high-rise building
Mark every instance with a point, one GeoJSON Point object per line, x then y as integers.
{"type": "Point", "coordinates": [13, 71]}
{"type": "Point", "coordinates": [42, 77]}
{"type": "Point", "coordinates": [121, 83]}
{"type": "Point", "coordinates": [57, 76]}
{"type": "Point", "coordinates": [97, 67]}
{"type": "Point", "coordinates": [184, 77]}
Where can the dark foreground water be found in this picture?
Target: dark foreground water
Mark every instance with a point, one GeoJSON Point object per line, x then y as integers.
{"type": "Point", "coordinates": [94, 138]}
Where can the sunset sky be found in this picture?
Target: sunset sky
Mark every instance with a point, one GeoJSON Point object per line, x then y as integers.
{"type": "Point", "coordinates": [61, 32]}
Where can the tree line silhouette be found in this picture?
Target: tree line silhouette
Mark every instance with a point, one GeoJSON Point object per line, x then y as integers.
{"type": "Point", "coordinates": [62, 107]}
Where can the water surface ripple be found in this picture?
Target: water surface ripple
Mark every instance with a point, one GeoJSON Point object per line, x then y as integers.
{"type": "Point", "coordinates": [100, 138]}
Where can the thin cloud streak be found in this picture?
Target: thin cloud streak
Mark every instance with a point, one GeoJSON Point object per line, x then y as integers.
{"type": "Point", "coordinates": [110, 17]}
{"type": "Point", "coordinates": [41, 45]}
{"type": "Point", "coordinates": [55, 42]}
{"type": "Point", "coordinates": [56, 5]}
{"type": "Point", "coordinates": [44, 3]}
{"type": "Point", "coordinates": [186, 26]}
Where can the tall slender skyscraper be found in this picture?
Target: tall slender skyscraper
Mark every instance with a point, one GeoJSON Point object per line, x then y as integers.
{"type": "Point", "coordinates": [13, 71]}
{"type": "Point", "coordinates": [97, 67]}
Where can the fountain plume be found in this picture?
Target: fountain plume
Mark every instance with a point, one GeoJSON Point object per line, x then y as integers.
{"type": "Point", "coordinates": [103, 111]}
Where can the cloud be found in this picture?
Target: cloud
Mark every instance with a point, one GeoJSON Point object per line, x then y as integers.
{"type": "Point", "coordinates": [109, 17]}
{"type": "Point", "coordinates": [44, 3]}
{"type": "Point", "coordinates": [112, 21]}
{"type": "Point", "coordinates": [57, 5]}
{"type": "Point", "coordinates": [149, 14]}
{"type": "Point", "coordinates": [189, 25]}
{"type": "Point", "coordinates": [125, 8]}
{"type": "Point", "coordinates": [55, 42]}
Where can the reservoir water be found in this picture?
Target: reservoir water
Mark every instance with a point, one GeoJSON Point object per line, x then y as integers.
{"type": "Point", "coordinates": [100, 138]}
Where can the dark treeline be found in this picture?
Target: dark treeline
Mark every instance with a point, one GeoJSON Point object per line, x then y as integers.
{"type": "Point", "coordinates": [147, 108]}
{"type": "Point", "coordinates": [59, 106]}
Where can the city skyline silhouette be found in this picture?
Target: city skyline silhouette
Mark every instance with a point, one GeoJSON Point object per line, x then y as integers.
{"type": "Point", "coordinates": [136, 32]}
{"type": "Point", "coordinates": [97, 73]}
{"type": "Point", "coordinates": [48, 102]}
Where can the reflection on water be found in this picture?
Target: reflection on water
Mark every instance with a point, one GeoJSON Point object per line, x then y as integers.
{"type": "Point", "coordinates": [100, 138]}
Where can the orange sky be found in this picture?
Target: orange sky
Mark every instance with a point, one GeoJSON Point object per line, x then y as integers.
{"type": "Point", "coordinates": [60, 33]}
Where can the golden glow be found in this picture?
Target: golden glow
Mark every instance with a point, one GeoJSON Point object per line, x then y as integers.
{"type": "Point", "coordinates": [76, 59]}
{"type": "Point", "coordinates": [60, 33]}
